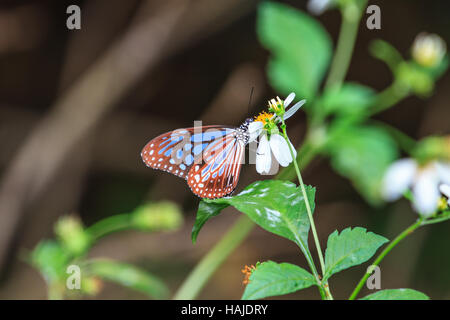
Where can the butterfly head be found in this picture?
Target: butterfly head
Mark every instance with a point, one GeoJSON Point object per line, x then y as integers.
{"type": "Point", "coordinates": [245, 124]}
{"type": "Point", "coordinates": [242, 131]}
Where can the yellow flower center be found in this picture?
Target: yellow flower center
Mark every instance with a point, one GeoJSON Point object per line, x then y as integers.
{"type": "Point", "coordinates": [442, 205]}
{"type": "Point", "coordinates": [264, 117]}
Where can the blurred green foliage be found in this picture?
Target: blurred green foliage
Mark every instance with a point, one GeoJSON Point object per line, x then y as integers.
{"type": "Point", "coordinates": [53, 258]}
{"type": "Point", "coordinates": [340, 128]}
{"type": "Point", "coordinates": [300, 47]}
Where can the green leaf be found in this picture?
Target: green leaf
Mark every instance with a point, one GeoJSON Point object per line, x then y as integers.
{"type": "Point", "coordinates": [349, 99]}
{"type": "Point", "coordinates": [273, 279]}
{"type": "Point", "coordinates": [300, 46]}
{"type": "Point", "coordinates": [129, 276]}
{"type": "Point", "coordinates": [205, 212]}
{"type": "Point", "coordinates": [276, 206]}
{"type": "Point", "coordinates": [350, 248]}
{"type": "Point", "coordinates": [362, 154]}
{"type": "Point", "coordinates": [396, 294]}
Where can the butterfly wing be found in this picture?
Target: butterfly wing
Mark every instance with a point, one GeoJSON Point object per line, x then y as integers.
{"type": "Point", "coordinates": [219, 174]}
{"type": "Point", "coordinates": [177, 151]}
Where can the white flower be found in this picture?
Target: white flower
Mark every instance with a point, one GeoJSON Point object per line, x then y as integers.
{"type": "Point", "coordinates": [274, 144]}
{"type": "Point", "coordinates": [424, 182]}
{"type": "Point", "coordinates": [445, 190]}
{"type": "Point", "coordinates": [428, 49]}
{"type": "Point", "coordinates": [256, 127]}
{"type": "Point", "coordinates": [318, 7]}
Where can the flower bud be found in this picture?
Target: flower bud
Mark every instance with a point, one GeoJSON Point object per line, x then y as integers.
{"type": "Point", "coordinates": [428, 50]}
{"type": "Point", "coordinates": [157, 216]}
{"type": "Point", "coordinates": [318, 7]}
{"type": "Point", "coordinates": [91, 285]}
{"type": "Point", "coordinates": [72, 235]}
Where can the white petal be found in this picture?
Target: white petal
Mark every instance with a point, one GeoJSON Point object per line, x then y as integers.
{"type": "Point", "coordinates": [254, 129]}
{"type": "Point", "coordinates": [280, 150]}
{"type": "Point", "coordinates": [443, 170]}
{"type": "Point", "coordinates": [289, 99]}
{"type": "Point", "coordinates": [445, 190]}
{"type": "Point", "coordinates": [263, 156]}
{"type": "Point", "coordinates": [289, 113]}
{"type": "Point", "coordinates": [426, 192]}
{"type": "Point", "coordinates": [317, 7]}
{"type": "Point", "coordinates": [398, 178]}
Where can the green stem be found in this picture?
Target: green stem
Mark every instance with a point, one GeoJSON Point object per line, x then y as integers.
{"type": "Point", "coordinates": [208, 265]}
{"type": "Point", "coordinates": [309, 259]}
{"type": "Point", "coordinates": [389, 97]}
{"type": "Point", "coordinates": [308, 208]}
{"type": "Point", "coordinates": [351, 16]}
{"type": "Point", "coordinates": [304, 156]}
{"type": "Point", "coordinates": [108, 225]}
{"type": "Point", "coordinates": [444, 216]}
{"type": "Point", "coordinates": [55, 291]}
{"type": "Point", "coordinates": [386, 250]}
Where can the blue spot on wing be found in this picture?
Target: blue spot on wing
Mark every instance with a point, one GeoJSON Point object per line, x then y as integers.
{"type": "Point", "coordinates": [168, 152]}
{"type": "Point", "coordinates": [199, 148]}
{"type": "Point", "coordinates": [189, 159]}
{"type": "Point", "coordinates": [172, 142]}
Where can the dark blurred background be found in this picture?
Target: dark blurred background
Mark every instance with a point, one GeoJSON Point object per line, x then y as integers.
{"type": "Point", "coordinates": [76, 107]}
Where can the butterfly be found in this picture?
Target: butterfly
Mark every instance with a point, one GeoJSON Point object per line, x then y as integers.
{"type": "Point", "coordinates": [208, 157]}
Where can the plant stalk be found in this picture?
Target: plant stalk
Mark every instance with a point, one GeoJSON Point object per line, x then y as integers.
{"type": "Point", "coordinates": [386, 250]}
{"type": "Point", "coordinates": [351, 16]}
{"type": "Point", "coordinates": [308, 210]}
{"type": "Point", "coordinates": [109, 225]}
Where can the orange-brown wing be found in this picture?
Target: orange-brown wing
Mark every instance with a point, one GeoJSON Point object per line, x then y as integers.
{"type": "Point", "coordinates": [176, 151]}
{"type": "Point", "coordinates": [218, 175]}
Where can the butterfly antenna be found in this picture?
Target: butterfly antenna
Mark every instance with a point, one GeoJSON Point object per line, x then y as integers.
{"type": "Point", "coordinates": [250, 100]}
